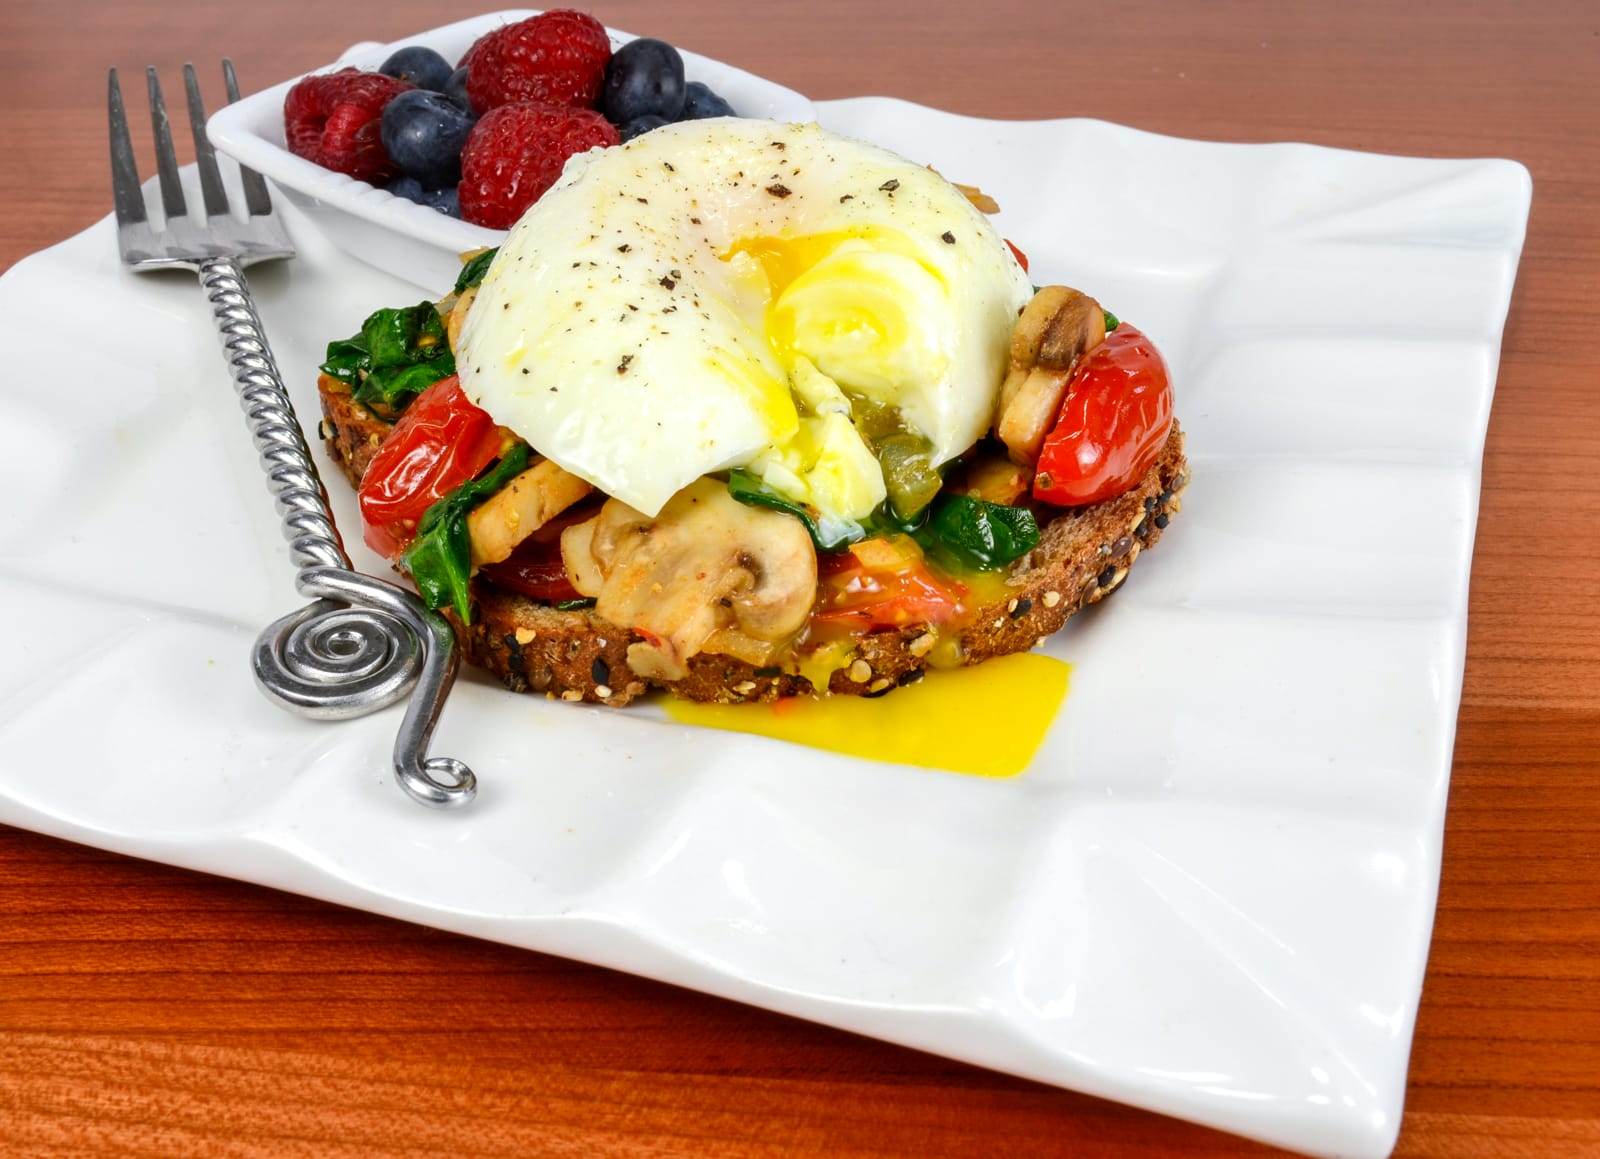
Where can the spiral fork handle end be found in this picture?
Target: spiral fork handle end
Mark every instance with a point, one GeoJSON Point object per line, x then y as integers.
{"type": "Point", "coordinates": [364, 643]}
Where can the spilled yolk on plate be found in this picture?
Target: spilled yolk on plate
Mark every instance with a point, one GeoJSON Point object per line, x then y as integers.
{"type": "Point", "coordinates": [985, 721]}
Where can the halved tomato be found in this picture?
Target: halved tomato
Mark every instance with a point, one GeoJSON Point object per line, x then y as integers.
{"type": "Point", "coordinates": [534, 570]}
{"type": "Point", "coordinates": [1113, 422]}
{"type": "Point", "coordinates": [440, 442]}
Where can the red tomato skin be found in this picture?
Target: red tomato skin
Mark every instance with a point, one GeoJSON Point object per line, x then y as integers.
{"type": "Point", "coordinates": [1113, 423]}
{"type": "Point", "coordinates": [534, 570]}
{"type": "Point", "coordinates": [1022, 258]}
{"type": "Point", "coordinates": [440, 442]}
{"type": "Point", "coordinates": [863, 599]}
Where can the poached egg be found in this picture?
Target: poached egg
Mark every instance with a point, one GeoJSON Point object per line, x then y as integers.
{"type": "Point", "coordinates": [715, 293]}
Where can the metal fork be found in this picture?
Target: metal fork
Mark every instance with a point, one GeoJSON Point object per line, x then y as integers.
{"type": "Point", "coordinates": [364, 643]}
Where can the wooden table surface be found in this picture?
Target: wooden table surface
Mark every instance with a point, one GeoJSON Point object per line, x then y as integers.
{"type": "Point", "coordinates": [153, 1011]}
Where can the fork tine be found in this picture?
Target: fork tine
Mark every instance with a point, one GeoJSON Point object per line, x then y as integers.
{"type": "Point", "coordinates": [211, 190]}
{"type": "Point", "coordinates": [125, 190]}
{"type": "Point", "coordinates": [256, 198]}
{"type": "Point", "coordinates": [166, 159]}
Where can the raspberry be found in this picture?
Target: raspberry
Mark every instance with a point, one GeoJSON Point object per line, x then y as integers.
{"type": "Point", "coordinates": [516, 152]}
{"type": "Point", "coordinates": [333, 119]}
{"type": "Point", "coordinates": [557, 57]}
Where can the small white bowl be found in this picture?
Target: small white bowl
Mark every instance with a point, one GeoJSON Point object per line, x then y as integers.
{"type": "Point", "coordinates": [401, 237]}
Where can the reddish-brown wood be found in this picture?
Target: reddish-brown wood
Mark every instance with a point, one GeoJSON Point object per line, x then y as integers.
{"type": "Point", "coordinates": [144, 1010]}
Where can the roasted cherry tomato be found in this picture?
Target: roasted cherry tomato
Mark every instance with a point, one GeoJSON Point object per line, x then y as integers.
{"type": "Point", "coordinates": [1022, 258]}
{"type": "Point", "coordinates": [1113, 423]}
{"type": "Point", "coordinates": [534, 570]}
{"type": "Point", "coordinates": [440, 442]}
{"type": "Point", "coordinates": [883, 583]}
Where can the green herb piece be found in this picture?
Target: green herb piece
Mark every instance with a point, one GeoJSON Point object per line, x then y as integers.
{"type": "Point", "coordinates": [440, 564]}
{"type": "Point", "coordinates": [976, 535]}
{"type": "Point", "coordinates": [395, 386]}
{"type": "Point", "coordinates": [1112, 321]}
{"type": "Point", "coordinates": [346, 358]}
{"type": "Point", "coordinates": [473, 269]}
{"type": "Point", "coordinates": [440, 558]}
{"type": "Point", "coordinates": [575, 605]}
{"type": "Point", "coordinates": [398, 354]}
{"type": "Point", "coordinates": [399, 337]}
{"type": "Point", "coordinates": [752, 492]}
{"type": "Point", "coordinates": [908, 473]}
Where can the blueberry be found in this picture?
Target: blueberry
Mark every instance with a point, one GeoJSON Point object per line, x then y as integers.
{"type": "Point", "coordinates": [456, 89]}
{"type": "Point", "coordinates": [423, 133]}
{"type": "Point", "coordinates": [700, 102]}
{"type": "Point", "coordinates": [445, 200]}
{"type": "Point", "coordinates": [421, 66]}
{"type": "Point", "coordinates": [644, 78]}
{"type": "Point", "coordinates": [408, 187]}
{"type": "Point", "coordinates": [641, 125]}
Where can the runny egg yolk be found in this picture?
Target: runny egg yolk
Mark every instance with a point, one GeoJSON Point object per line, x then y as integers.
{"type": "Point", "coordinates": [854, 311]}
{"type": "Point", "coordinates": [937, 723]}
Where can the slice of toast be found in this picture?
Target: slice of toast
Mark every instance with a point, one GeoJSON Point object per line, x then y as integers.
{"type": "Point", "coordinates": [1083, 556]}
{"type": "Point", "coordinates": [351, 432]}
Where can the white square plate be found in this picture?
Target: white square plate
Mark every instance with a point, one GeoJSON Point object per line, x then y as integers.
{"type": "Point", "coordinates": [400, 236]}
{"type": "Point", "coordinates": [1211, 895]}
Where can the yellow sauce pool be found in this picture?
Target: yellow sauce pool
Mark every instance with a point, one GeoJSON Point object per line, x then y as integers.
{"type": "Point", "coordinates": [986, 721]}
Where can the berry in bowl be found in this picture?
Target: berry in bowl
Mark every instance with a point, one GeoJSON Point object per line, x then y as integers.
{"type": "Point", "coordinates": [408, 154]}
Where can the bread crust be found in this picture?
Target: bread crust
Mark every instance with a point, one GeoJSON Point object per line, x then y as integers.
{"type": "Point", "coordinates": [1084, 554]}
{"type": "Point", "coordinates": [350, 431]}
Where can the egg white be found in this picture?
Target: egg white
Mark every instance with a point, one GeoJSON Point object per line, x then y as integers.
{"type": "Point", "coordinates": [705, 297]}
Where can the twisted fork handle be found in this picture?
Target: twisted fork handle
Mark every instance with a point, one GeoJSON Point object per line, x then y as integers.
{"type": "Point", "coordinates": [364, 643]}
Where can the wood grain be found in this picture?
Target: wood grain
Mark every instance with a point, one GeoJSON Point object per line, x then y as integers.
{"type": "Point", "coordinates": [145, 1010]}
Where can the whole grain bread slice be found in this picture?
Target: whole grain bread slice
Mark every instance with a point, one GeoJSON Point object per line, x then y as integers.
{"type": "Point", "coordinates": [1084, 554]}
{"type": "Point", "coordinates": [350, 431]}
